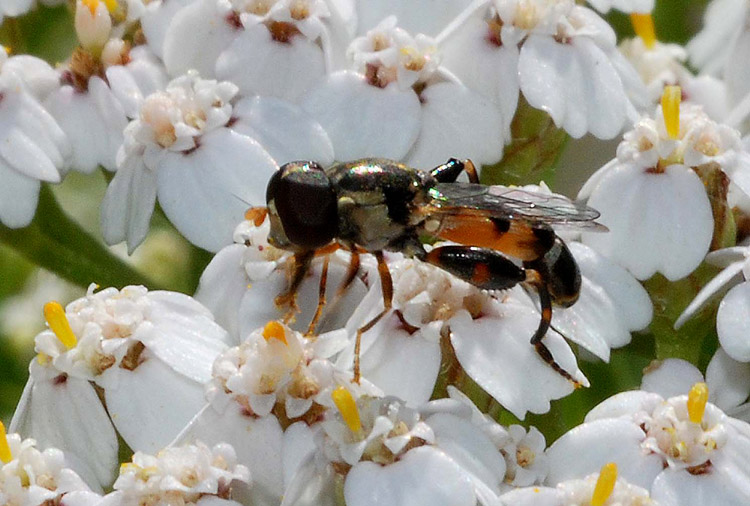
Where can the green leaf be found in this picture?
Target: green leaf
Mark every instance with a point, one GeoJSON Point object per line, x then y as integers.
{"type": "Point", "coordinates": [533, 153]}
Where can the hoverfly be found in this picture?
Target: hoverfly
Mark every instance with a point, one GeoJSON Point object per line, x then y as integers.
{"type": "Point", "coordinates": [374, 205]}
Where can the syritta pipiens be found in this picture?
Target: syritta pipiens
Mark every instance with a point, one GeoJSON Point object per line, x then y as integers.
{"type": "Point", "coordinates": [375, 205]}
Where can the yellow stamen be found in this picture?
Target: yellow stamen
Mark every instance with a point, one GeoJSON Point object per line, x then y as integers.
{"type": "Point", "coordinates": [58, 323]}
{"type": "Point", "coordinates": [696, 404]}
{"type": "Point", "coordinates": [42, 359]}
{"type": "Point", "coordinates": [670, 106]}
{"type": "Point", "coordinates": [7, 49]}
{"type": "Point", "coordinates": [643, 24]}
{"type": "Point", "coordinates": [111, 5]}
{"type": "Point", "coordinates": [5, 454]}
{"type": "Point", "coordinates": [605, 484]}
{"type": "Point", "coordinates": [274, 330]}
{"type": "Point", "coordinates": [92, 5]}
{"type": "Point", "coordinates": [348, 408]}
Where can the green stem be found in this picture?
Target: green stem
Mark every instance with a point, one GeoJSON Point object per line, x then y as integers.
{"type": "Point", "coordinates": [59, 244]}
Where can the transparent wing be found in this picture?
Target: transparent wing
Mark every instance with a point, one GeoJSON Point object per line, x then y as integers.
{"type": "Point", "coordinates": [469, 200]}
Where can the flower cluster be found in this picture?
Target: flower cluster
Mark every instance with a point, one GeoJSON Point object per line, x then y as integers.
{"type": "Point", "coordinates": [383, 332]}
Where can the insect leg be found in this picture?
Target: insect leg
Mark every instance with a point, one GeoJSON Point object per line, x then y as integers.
{"type": "Point", "coordinates": [534, 278]}
{"type": "Point", "coordinates": [386, 284]}
{"type": "Point", "coordinates": [289, 297]}
{"type": "Point", "coordinates": [450, 170]}
{"type": "Point", "coordinates": [321, 298]}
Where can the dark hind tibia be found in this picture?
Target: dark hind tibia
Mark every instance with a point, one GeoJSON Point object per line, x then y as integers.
{"type": "Point", "coordinates": [484, 268]}
{"type": "Point", "coordinates": [544, 324]}
{"type": "Point", "coordinates": [386, 284]}
{"type": "Point", "coordinates": [300, 267]}
{"type": "Point", "coordinates": [450, 170]}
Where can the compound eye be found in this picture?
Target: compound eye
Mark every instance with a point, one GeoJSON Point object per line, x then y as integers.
{"type": "Point", "coordinates": [305, 201]}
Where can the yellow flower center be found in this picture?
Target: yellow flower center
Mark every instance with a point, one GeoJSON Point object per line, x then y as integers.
{"type": "Point", "coordinates": [348, 409]}
{"type": "Point", "coordinates": [605, 484]}
{"type": "Point", "coordinates": [643, 24]}
{"type": "Point", "coordinates": [58, 323]}
{"type": "Point", "coordinates": [670, 105]}
{"type": "Point", "coordinates": [696, 404]}
{"type": "Point", "coordinates": [5, 454]}
{"type": "Point", "coordinates": [274, 330]}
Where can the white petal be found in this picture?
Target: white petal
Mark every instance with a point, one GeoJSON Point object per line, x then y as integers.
{"type": "Point", "coordinates": [19, 195]}
{"type": "Point", "coordinates": [156, 20]}
{"type": "Point", "coordinates": [575, 83]}
{"type": "Point", "coordinates": [132, 82]}
{"type": "Point", "coordinates": [586, 448]}
{"type": "Point", "coordinates": [422, 476]}
{"type": "Point", "coordinates": [401, 364]}
{"type": "Point", "coordinates": [728, 380]}
{"type": "Point", "coordinates": [94, 122]}
{"type": "Point", "coordinates": [196, 37]}
{"type": "Point", "coordinates": [67, 414]}
{"type": "Point", "coordinates": [37, 75]}
{"type": "Point", "coordinates": [151, 404]}
{"type": "Point", "coordinates": [671, 377]}
{"type": "Point", "coordinates": [730, 276]}
{"type": "Point", "coordinates": [641, 209]}
{"type": "Point", "coordinates": [257, 442]}
{"type": "Point", "coordinates": [491, 69]}
{"type": "Point", "coordinates": [362, 120]}
{"type": "Point", "coordinates": [497, 354]}
{"type": "Point", "coordinates": [298, 444]}
{"type": "Point", "coordinates": [205, 193]}
{"type": "Point", "coordinates": [625, 404]}
{"type": "Point", "coordinates": [128, 204]}
{"type": "Point", "coordinates": [31, 141]}
{"type": "Point", "coordinates": [312, 486]}
{"type": "Point", "coordinates": [283, 129]}
{"type": "Point", "coordinates": [260, 65]}
{"type": "Point", "coordinates": [183, 335]}
{"type": "Point", "coordinates": [458, 123]}
{"type": "Point", "coordinates": [222, 285]}
{"type": "Point", "coordinates": [465, 443]}
{"type": "Point", "coordinates": [682, 488]}
{"type": "Point", "coordinates": [731, 322]}
{"type": "Point", "coordinates": [612, 304]}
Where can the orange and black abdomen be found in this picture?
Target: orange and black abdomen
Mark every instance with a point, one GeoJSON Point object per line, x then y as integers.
{"type": "Point", "coordinates": [522, 239]}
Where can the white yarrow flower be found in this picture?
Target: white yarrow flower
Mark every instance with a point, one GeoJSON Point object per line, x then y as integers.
{"type": "Point", "coordinates": [182, 151]}
{"type": "Point", "coordinates": [122, 343]}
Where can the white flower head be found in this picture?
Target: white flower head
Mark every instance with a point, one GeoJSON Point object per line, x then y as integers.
{"type": "Point", "coordinates": [561, 56]}
{"type": "Point", "coordinates": [35, 149]}
{"type": "Point", "coordinates": [395, 100]}
{"type": "Point", "coordinates": [390, 54]}
{"type": "Point", "coordinates": [186, 474]}
{"type": "Point", "coordinates": [190, 107]}
{"type": "Point", "coordinates": [651, 191]}
{"type": "Point", "coordinates": [658, 64]}
{"type": "Point", "coordinates": [182, 151]}
{"type": "Point", "coordinates": [379, 442]}
{"type": "Point", "coordinates": [106, 325]}
{"type": "Point", "coordinates": [124, 342]}
{"type": "Point", "coordinates": [278, 366]}
{"type": "Point", "coordinates": [604, 488]}
{"type": "Point", "coordinates": [31, 476]}
{"type": "Point", "coordinates": [671, 447]}
{"type": "Point", "coordinates": [524, 457]}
